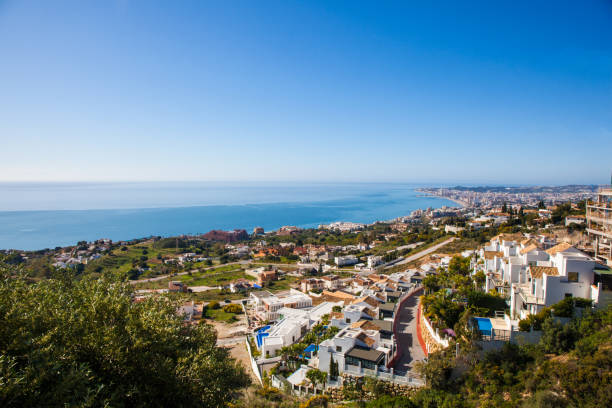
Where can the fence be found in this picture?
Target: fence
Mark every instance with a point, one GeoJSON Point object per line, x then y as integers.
{"type": "Point", "coordinates": [407, 377]}
{"type": "Point", "coordinates": [432, 339]}
{"type": "Point", "coordinates": [254, 365]}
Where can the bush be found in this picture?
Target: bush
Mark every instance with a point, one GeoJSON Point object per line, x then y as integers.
{"type": "Point", "coordinates": [564, 308]}
{"type": "Point", "coordinates": [213, 305]}
{"type": "Point", "coordinates": [535, 320]}
{"type": "Point", "coordinates": [316, 401]}
{"type": "Point", "coordinates": [389, 401]}
{"type": "Point", "coordinates": [557, 338]}
{"type": "Point", "coordinates": [487, 301]}
{"type": "Point", "coordinates": [56, 349]}
{"type": "Point", "coordinates": [232, 308]}
{"type": "Point", "coordinates": [582, 302]}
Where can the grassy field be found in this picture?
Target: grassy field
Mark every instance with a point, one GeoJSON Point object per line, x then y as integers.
{"type": "Point", "coordinates": [219, 315]}
{"type": "Point", "coordinates": [121, 261]}
{"type": "Point", "coordinates": [210, 277]}
{"type": "Point", "coordinates": [461, 244]}
{"type": "Point", "coordinates": [216, 294]}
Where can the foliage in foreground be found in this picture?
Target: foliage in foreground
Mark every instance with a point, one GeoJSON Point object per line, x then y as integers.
{"type": "Point", "coordinates": [65, 342]}
{"type": "Point", "coordinates": [571, 366]}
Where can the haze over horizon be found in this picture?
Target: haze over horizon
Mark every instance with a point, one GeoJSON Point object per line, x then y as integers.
{"type": "Point", "coordinates": [510, 93]}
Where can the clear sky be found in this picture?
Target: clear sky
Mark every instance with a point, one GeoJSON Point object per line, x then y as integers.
{"type": "Point", "coordinates": [485, 92]}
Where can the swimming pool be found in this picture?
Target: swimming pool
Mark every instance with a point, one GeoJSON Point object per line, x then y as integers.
{"type": "Point", "coordinates": [484, 325]}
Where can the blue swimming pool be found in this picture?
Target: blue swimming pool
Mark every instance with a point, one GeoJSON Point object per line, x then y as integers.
{"type": "Point", "coordinates": [261, 333]}
{"type": "Point", "coordinates": [484, 325]}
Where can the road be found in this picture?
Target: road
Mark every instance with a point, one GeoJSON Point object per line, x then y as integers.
{"type": "Point", "coordinates": [424, 252]}
{"type": "Point", "coordinates": [407, 339]}
{"type": "Point", "coordinates": [409, 246]}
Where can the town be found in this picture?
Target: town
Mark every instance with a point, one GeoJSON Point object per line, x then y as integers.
{"type": "Point", "coordinates": [321, 310]}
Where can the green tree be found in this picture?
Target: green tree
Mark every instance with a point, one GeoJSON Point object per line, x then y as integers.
{"type": "Point", "coordinates": [437, 370]}
{"type": "Point", "coordinates": [67, 342]}
{"type": "Point", "coordinates": [317, 376]}
{"type": "Point", "coordinates": [459, 265]}
{"type": "Point", "coordinates": [556, 337]}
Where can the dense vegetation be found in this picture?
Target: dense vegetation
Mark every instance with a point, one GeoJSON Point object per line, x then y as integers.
{"type": "Point", "coordinates": [571, 366]}
{"type": "Point", "coordinates": [452, 293]}
{"type": "Point", "coordinates": [68, 342]}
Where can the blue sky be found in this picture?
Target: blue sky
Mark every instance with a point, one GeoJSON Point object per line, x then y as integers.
{"type": "Point", "coordinates": [485, 92]}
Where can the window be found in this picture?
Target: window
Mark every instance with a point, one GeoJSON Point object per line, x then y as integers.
{"type": "Point", "coordinates": [348, 320]}
{"type": "Point", "coordinates": [339, 349]}
{"type": "Point", "coordinates": [568, 295]}
{"type": "Point", "coordinates": [572, 276]}
{"type": "Point", "coordinates": [368, 364]}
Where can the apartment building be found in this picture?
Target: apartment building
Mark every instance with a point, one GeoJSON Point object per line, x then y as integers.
{"type": "Point", "coordinates": [568, 272]}
{"type": "Point", "coordinates": [354, 349]}
{"type": "Point", "coordinates": [599, 224]}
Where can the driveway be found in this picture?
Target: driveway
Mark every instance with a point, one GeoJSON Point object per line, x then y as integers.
{"type": "Point", "coordinates": [407, 339]}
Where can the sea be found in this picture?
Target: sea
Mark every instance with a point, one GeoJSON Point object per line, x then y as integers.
{"type": "Point", "coordinates": [35, 216]}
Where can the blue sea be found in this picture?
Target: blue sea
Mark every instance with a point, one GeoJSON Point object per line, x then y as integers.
{"type": "Point", "coordinates": [45, 215]}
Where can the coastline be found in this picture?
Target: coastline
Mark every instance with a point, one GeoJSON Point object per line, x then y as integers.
{"type": "Point", "coordinates": [461, 203]}
{"type": "Point", "coordinates": [35, 230]}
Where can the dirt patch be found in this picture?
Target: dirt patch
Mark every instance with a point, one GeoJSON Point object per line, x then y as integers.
{"type": "Point", "coordinates": [226, 331]}
{"type": "Point", "coordinates": [240, 353]}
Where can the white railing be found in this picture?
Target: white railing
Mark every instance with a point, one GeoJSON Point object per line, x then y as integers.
{"type": "Point", "coordinates": [254, 365]}
{"type": "Point", "coordinates": [435, 334]}
{"type": "Point", "coordinates": [403, 378]}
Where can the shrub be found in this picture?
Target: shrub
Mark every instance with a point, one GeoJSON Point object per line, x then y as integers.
{"type": "Point", "coordinates": [564, 308]}
{"type": "Point", "coordinates": [582, 302]}
{"type": "Point", "coordinates": [214, 305]}
{"type": "Point", "coordinates": [232, 308]}
{"type": "Point", "coordinates": [58, 350]}
{"type": "Point", "coordinates": [316, 401]}
{"type": "Point", "coordinates": [535, 320]}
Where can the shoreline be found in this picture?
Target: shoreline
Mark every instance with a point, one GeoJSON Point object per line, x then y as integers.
{"type": "Point", "coordinates": [461, 203]}
{"type": "Point", "coordinates": [32, 230]}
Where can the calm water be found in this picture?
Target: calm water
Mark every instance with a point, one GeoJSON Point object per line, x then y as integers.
{"type": "Point", "coordinates": [37, 215]}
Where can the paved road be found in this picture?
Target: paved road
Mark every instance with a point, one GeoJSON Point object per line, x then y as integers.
{"type": "Point", "coordinates": [409, 246]}
{"type": "Point", "coordinates": [424, 252]}
{"type": "Point", "coordinates": [201, 288]}
{"type": "Point", "coordinates": [407, 339]}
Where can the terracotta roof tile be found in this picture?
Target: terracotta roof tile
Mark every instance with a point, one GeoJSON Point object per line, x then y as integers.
{"type": "Point", "coordinates": [537, 271]}
{"type": "Point", "coordinates": [562, 247]}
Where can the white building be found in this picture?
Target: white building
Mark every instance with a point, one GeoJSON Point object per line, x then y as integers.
{"type": "Point", "coordinates": [346, 260]}
{"type": "Point", "coordinates": [374, 261]}
{"type": "Point", "coordinates": [293, 324]}
{"type": "Point", "coordinates": [568, 272]}
{"type": "Point", "coordinates": [354, 349]}
{"type": "Point", "coordinates": [267, 305]}
{"type": "Point", "coordinates": [331, 281]}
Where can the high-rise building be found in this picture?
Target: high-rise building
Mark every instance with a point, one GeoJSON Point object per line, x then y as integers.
{"type": "Point", "coordinates": [599, 224]}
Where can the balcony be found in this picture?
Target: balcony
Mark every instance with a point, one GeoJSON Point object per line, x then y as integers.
{"type": "Point", "coordinates": [592, 229]}
{"type": "Point", "coordinates": [524, 290]}
{"type": "Point", "coordinates": [605, 189]}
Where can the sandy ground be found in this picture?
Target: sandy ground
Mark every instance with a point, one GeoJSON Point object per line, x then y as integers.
{"type": "Point", "coordinates": [240, 353]}
{"type": "Point", "coordinates": [232, 336]}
